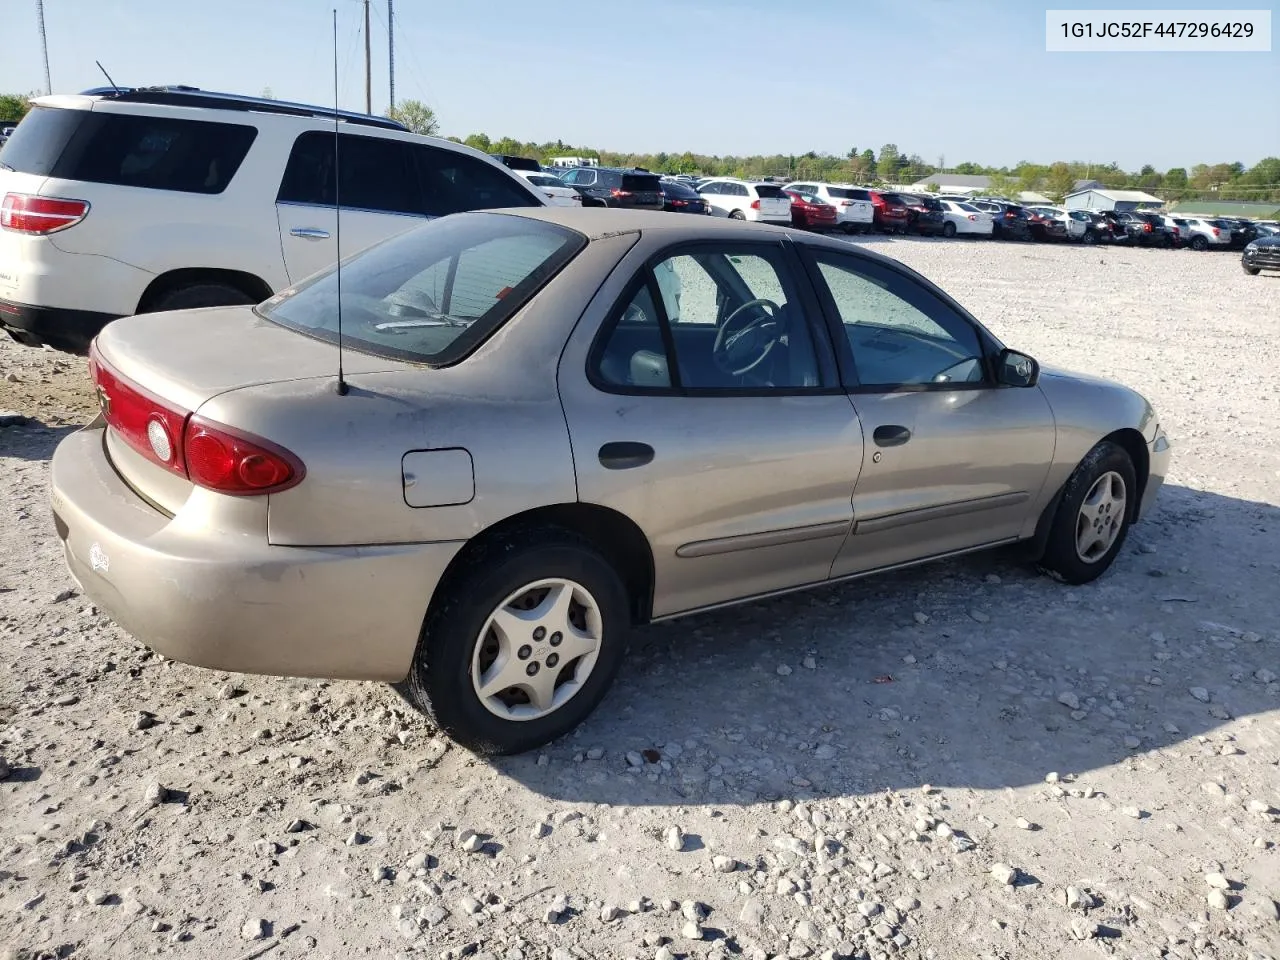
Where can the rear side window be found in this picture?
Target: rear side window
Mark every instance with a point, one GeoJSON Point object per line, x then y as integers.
{"type": "Point", "coordinates": [768, 191]}
{"type": "Point", "coordinates": [453, 182]}
{"type": "Point", "coordinates": [129, 150]}
{"type": "Point", "coordinates": [433, 294]}
{"type": "Point", "coordinates": [376, 174]}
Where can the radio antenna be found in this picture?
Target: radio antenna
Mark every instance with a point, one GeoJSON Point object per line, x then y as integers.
{"type": "Point", "coordinates": [108, 76]}
{"type": "Point", "coordinates": [337, 203]}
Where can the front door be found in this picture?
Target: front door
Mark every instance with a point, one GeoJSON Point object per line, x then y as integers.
{"type": "Point", "coordinates": [953, 461]}
{"type": "Point", "coordinates": [710, 413]}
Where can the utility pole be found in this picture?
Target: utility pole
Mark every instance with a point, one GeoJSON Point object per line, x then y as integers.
{"type": "Point", "coordinates": [44, 44]}
{"type": "Point", "coordinates": [391, 50]}
{"type": "Point", "coordinates": [368, 63]}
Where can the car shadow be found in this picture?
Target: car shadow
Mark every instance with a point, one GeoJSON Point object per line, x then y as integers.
{"type": "Point", "coordinates": [32, 440]}
{"type": "Point", "coordinates": [977, 672]}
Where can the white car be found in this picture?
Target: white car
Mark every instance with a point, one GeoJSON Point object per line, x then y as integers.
{"type": "Point", "coordinates": [1075, 228]}
{"type": "Point", "coordinates": [118, 202]}
{"type": "Point", "coordinates": [854, 209]}
{"type": "Point", "coordinates": [747, 200]}
{"type": "Point", "coordinates": [964, 218]}
{"type": "Point", "coordinates": [557, 192]}
{"type": "Point", "coordinates": [1205, 233]}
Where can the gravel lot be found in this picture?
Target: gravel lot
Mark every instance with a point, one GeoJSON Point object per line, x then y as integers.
{"type": "Point", "coordinates": [966, 760]}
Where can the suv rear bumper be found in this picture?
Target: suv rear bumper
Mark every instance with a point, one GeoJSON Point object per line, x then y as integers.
{"type": "Point", "coordinates": [62, 329]}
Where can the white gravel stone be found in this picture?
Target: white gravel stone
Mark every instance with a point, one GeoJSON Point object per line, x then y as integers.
{"type": "Point", "coordinates": [752, 913]}
{"type": "Point", "coordinates": [1069, 699]}
{"type": "Point", "coordinates": [1217, 881]}
{"type": "Point", "coordinates": [673, 837]}
{"type": "Point", "coordinates": [692, 930]}
{"type": "Point", "coordinates": [1218, 900]}
{"type": "Point", "coordinates": [808, 930]}
{"type": "Point", "coordinates": [1003, 873]}
{"type": "Point", "coordinates": [254, 929]}
{"type": "Point", "coordinates": [723, 864]}
{"type": "Point", "coordinates": [783, 670]}
{"type": "Point", "coordinates": [1022, 823]}
{"type": "Point", "coordinates": [809, 663]}
{"type": "Point", "coordinates": [470, 841]}
{"type": "Point", "coordinates": [1200, 693]}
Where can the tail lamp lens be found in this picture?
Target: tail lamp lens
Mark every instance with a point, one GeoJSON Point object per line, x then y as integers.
{"type": "Point", "coordinates": [236, 463]}
{"type": "Point", "coordinates": [40, 215]}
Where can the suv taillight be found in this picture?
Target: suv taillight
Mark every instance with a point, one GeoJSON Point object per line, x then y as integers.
{"type": "Point", "coordinates": [1217, 232]}
{"type": "Point", "coordinates": [620, 193]}
{"type": "Point", "coordinates": [1146, 228]}
{"type": "Point", "coordinates": [40, 215]}
{"type": "Point", "coordinates": [208, 454]}
{"type": "Point", "coordinates": [755, 204]}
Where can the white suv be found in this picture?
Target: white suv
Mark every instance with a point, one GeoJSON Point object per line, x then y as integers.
{"type": "Point", "coordinates": [1203, 233]}
{"type": "Point", "coordinates": [747, 200]}
{"type": "Point", "coordinates": [854, 209]}
{"type": "Point", "coordinates": [116, 202]}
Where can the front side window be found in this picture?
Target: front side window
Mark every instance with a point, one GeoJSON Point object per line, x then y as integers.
{"type": "Point", "coordinates": [708, 319]}
{"type": "Point", "coordinates": [432, 294]}
{"type": "Point", "coordinates": [900, 334]}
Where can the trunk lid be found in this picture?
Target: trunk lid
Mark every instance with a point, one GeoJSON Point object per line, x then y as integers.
{"type": "Point", "coordinates": [175, 362]}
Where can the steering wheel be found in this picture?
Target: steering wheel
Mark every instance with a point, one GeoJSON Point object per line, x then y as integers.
{"type": "Point", "coordinates": [739, 351]}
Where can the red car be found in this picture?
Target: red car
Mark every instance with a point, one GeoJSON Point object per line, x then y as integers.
{"type": "Point", "coordinates": [891, 215]}
{"type": "Point", "coordinates": [810, 213]}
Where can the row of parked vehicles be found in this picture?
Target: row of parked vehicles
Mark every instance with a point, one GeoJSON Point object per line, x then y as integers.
{"type": "Point", "coordinates": [853, 209]}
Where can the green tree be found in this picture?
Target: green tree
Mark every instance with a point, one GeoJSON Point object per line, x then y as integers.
{"type": "Point", "coordinates": [417, 116]}
{"type": "Point", "coordinates": [478, 140]}
{"type": "Point", "coordinates": [1059, 181]}
{"type": "Point", "coordinates": [889, 161]}
{"type": "Point", "coordinates": [1003, 185]}
{"type": "Point", "coordinates": [869, 164]}
{"type": "Point", "coordinates": [14, 106]}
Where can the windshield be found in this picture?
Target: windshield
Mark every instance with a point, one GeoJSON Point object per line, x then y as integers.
{"type": "Point", "coordinates": [433, 294]}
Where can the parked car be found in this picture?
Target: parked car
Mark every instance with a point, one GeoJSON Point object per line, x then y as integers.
{"type": "Point", "coordinates": [502, 603]}
{"type": "Point", "coordinates": [1267, 229]}
{"type": "Point", "coordinates": [1045, 226]}
{"type": "Point", "coordinates": [679, 197]}
{"type": "Point", "coordinates": [557, 192]}
{"type": "Point", "coordinates": [747, 200]}
{"type": "Point", "coordinates": [855, 213]}
{"type": "Point", "coordinates": [1097, 228]}
{"type": "Point", "coordinates": [6, 131]}
{"type": "Point", "coordinates": [1206, 234]}
{"type": "Point", "coordinates": [1008, 220]}
{"type": "Point", "coordinates": [809, 212]}
{"type": "Point", "coordinates": [955, 197]}
{"type": "Point", "coordinates": [964, 218]}
{"type": "Point", "coordinates": [1071, 229]}
{"type": "Point", "coordinates": [891, 216]}
{"type": "Point", "coordinates": [924, 214]}
{"type": "Point", "coordinates": [1261, 254]}
{"type": "Point", "coordinates": [1243, 232]}
{"type": "Point", "coordinates": [1139, 229]}
{"type": "Point", "coordinates": [527, 164]}
{"type": "Point", "coordinates": [610, 187]}
{"type": "Point", "coordinates": [117, 202]}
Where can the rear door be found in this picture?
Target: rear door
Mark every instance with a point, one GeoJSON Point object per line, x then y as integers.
{"type": "Point", "coordinates": [641, 190]}
{"type": "Point", "coordinates": [378, 191]}
{"type": "Point", "coordinates": [954, 461]}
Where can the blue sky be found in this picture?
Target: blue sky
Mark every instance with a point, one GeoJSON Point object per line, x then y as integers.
{"type": "Point", "coordinates": [964, 79]}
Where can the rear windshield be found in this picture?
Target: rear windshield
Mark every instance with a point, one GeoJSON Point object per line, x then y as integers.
{"type": "Point", "coordinates": [518, 163]}
{"type": "Point", "coordinates": [674, 188]}
{"type": "Point", "coordinates": [433, 294]}
{"type": "Point", "coordinates": [129, 150]}
{"type": "Point", "coordinates": [641, 183]}
{"type": "Point", "coordinates": [768, 191]}
{"type": "Point", "coordinates": [544, 180]}
{"type": "Point", "coordinates": [848, 193]}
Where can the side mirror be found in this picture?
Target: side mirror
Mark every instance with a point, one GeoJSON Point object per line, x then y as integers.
{"type": "Point", "coordinates": [1014, 369]}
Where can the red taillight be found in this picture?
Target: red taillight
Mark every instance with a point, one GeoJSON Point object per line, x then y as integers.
{"type": "Point", "coordinates": [145, 422]}
{"type": "Point", "coordinates": [846, 203]}
{"type": "Point", "coordinates": [1217, 232]}
{"type": "Point", "coordinates": [620, 193]}
{"type": "Point", "coordinates": [679, 203]}
{"type": "Point", "coordinates": [973, 217]}
{"type": "Point", "coordinates": [208, 454]}
{"type": "Point", "coordinates": [41, 215]}
{"type": "Point", "coordinates": [755, 204]}
{"type": "Point", "coordinates": [1146, 228]}
{"type": "Point", "coordinates": [237, 463]}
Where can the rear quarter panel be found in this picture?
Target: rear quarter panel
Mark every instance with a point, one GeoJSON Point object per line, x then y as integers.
{"type": "Point", "coordinates": [501, 405]}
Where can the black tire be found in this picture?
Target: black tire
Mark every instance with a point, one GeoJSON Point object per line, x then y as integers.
{"type": "Point", "coordinates": [849, 229]}
{"type": "Point", "coordinates": [948, 229]}
{"type": "Point", "coordinates": [439, 682]}
{"type": "Point", "coordinates": [737, 215]}
{"type": "Point", "coordinates": [1089, 237]}
{"type": "Point", "coordinates": [1061, 558]}
{"type": "Point", "coordinates": [201, 295]}
{"type": "Point", "coordinates": [1200, 243]}
{"type": "Point", "coordinates": [1251, 271]}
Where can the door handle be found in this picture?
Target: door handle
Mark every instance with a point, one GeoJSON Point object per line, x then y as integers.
{"type": "Point", "coordinates": [309, 233]}
{"type": "Point", "coordinates": [625, 454]}
{"type": "Point", "coordinates": [891, 435]}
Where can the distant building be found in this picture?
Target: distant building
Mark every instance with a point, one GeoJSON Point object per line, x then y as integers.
{"type": "Point", "coordinates": [1095, 199]}
{"type": "Point", "coordinates": [575, 161]}
{"type": "Point", "coordinates": [1032, 199]}
{"type": "Point", "coordinates": [1082, 185]}
{"type": "Point", "coordinates": [954, 183]}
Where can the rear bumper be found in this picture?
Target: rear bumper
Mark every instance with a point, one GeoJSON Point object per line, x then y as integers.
{"type": "Point", "coordinates": [854, 215]}
{"type": "Point", "coordinates": [62, 329]}
{"type": "Point", "coordinates": [233, 602]}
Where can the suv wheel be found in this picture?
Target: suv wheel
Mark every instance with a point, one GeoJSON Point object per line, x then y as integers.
{"type": "Point", "coordinates": [201, 295]}
{"type": "Point", "coordinates": [1199, 242]}
{"type": "Point", "coordinates": [521, 648]}
{"type": "Point", "coordinates": [737, 215]}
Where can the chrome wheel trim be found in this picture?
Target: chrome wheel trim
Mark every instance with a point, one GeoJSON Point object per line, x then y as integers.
{"type": "Point", "coordinates": [537, 649]}
{"type": "Point", "coordinates": [1101, 517]}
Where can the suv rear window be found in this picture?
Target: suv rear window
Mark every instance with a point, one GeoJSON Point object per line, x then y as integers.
{"type": "Point", "coordinates": [847, 193]}
{"type": "Point", "coordinates": [518, 163]}
{"type": "Point", "coordinates": [641, 183]}
{"type": "Point", "coordinates": [129, 150]}
{"type": "Point", "coordinates": [433, 294]}
{"type": "Point", "coordinates": [769, 191]}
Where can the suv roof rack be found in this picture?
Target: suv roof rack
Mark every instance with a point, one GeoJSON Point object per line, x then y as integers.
{"type": "Point", "coordinates": [180, 95]}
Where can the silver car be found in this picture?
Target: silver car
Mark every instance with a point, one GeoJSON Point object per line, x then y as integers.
{"type": "Point", "coordinates": [551, 425]}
